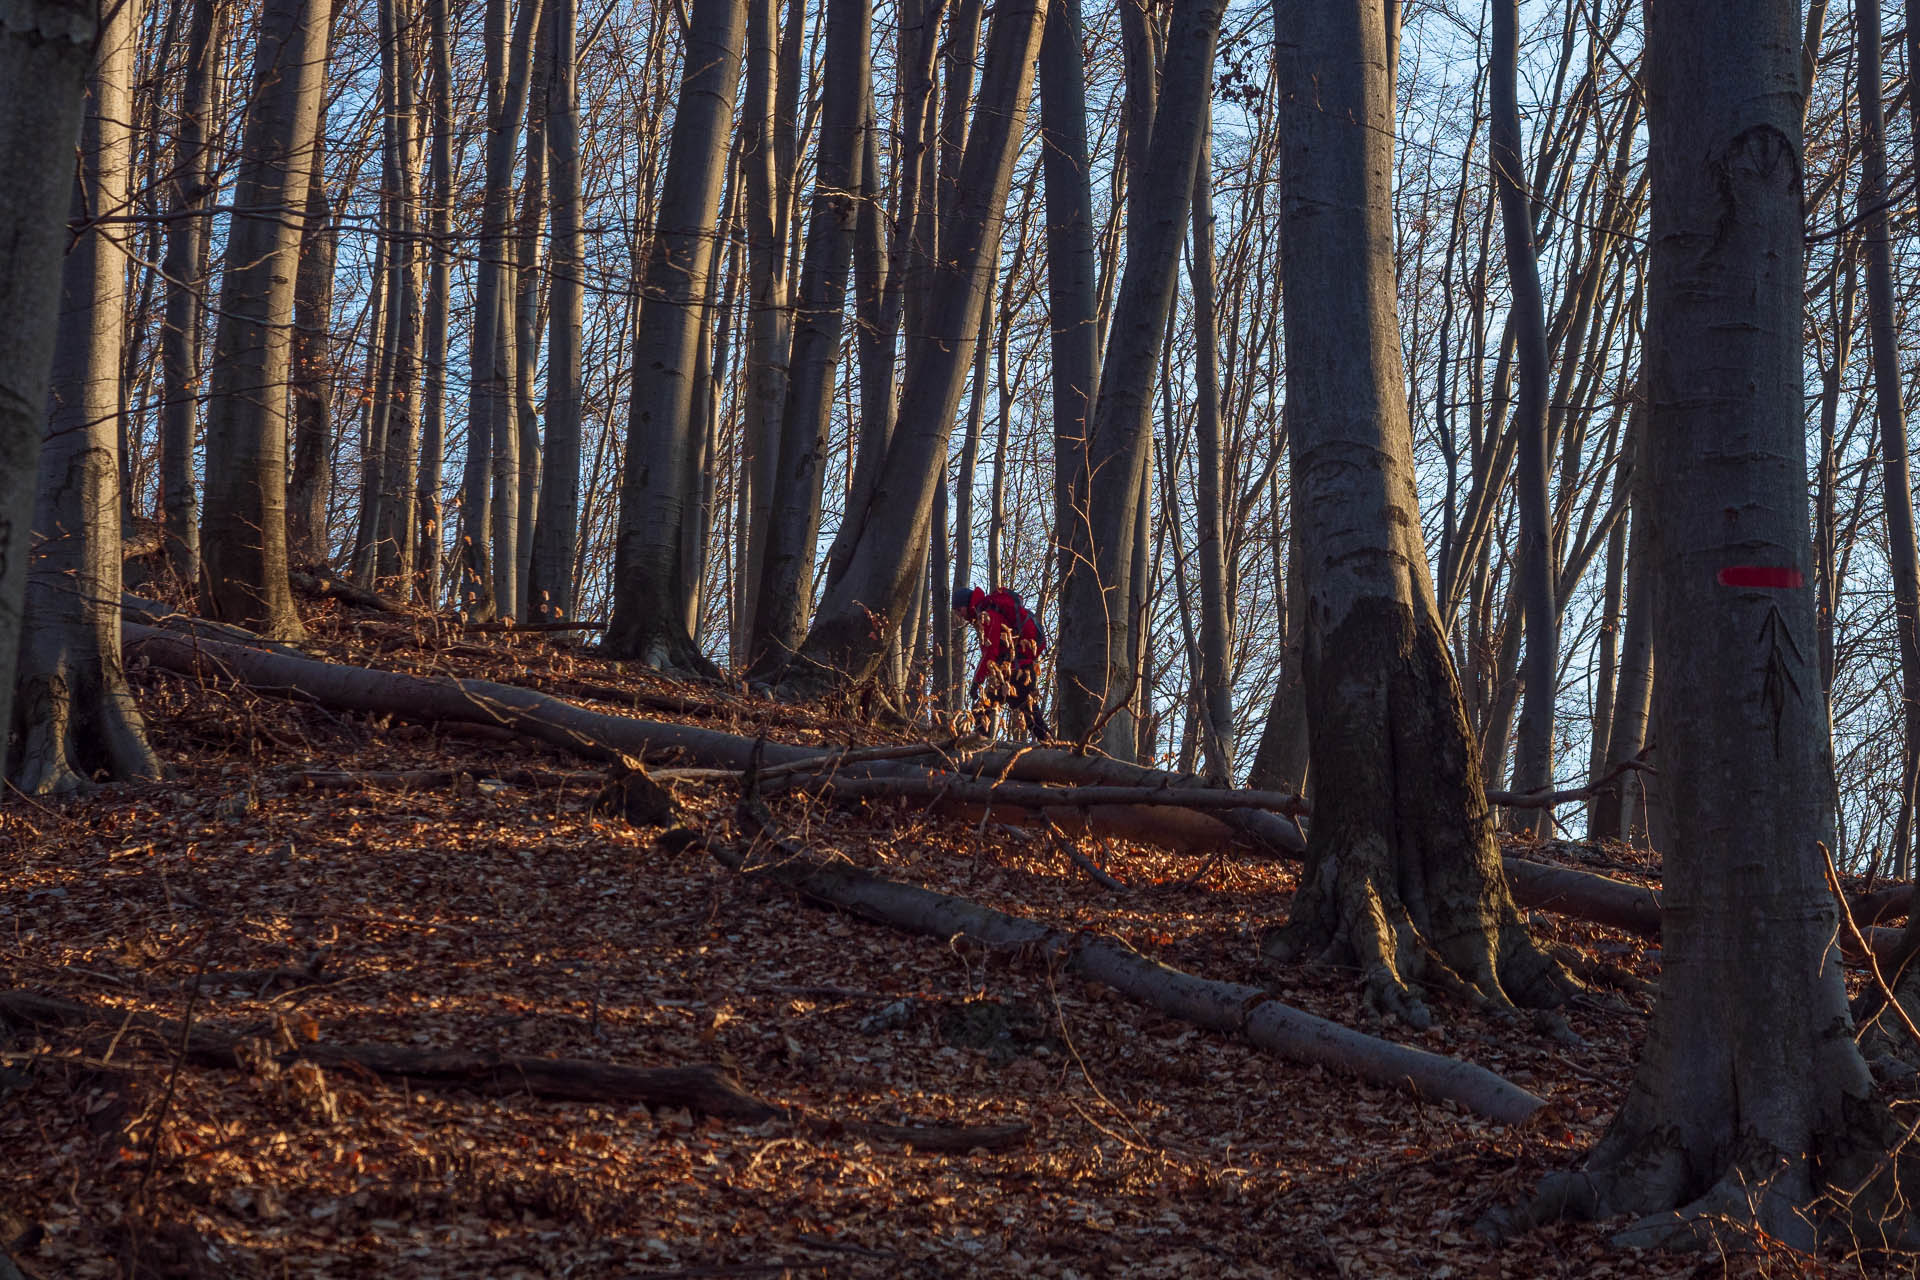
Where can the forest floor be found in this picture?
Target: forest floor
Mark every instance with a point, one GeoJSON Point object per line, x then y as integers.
{"type": "Point", "coordinates": [484, 915]}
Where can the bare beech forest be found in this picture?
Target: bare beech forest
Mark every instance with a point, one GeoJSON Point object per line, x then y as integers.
{"type": "Point", "coordinates": [932, 637]}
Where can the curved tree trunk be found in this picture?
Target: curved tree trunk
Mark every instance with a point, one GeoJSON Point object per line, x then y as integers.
{"type": "Point", "coordinates": [49, 46]}
{"type": "Point", "coordinates": [785, 590]}
{"type": "Point", "coordinates": [863, 610]}
{"type": "Point", "coordinates": [77, 717]}
{"type": "Point", "coordinates": [1403, 877]}
{"type": "Point", "coordinates": [243, 533]}
{"type": "Point", "coordinates": [184, 268]}
{"type": "Point", "coordinates": [648, 622]}
{"type": "Point", "coordinates": [1751, 1096]}
{"type": "Point", "coordinates": [1533, 750]}
{"type": "Point", "coordinates": [1098, 591]}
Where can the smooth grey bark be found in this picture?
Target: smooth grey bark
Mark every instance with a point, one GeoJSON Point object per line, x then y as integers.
{"type": "Point", "coordinates": [487, 564]}
{"type": "Point", "coordinates": [766, 179]}
{"type": "Point", "coordinates": [1751, 1097]}
{"type": "Point", "coordinates": [393, 531]}
{"type": "Point", "coordinates": [77, 717]}
{"type": "Point", "coordinates": [648, 623]}
{"type": "Point", "coordinates": [1098, 594]}
{"type": "Point", "coordinates": [243, 530]}
{"type": "Point", "coordinates": [184, 269]}
{"type": "Point", "coordinates": [48, 44]}
{"type": "Point", "coordinates": [311, 374]}
{"type": "Point", "coordinates": [1403, 878]}
{"type": "Point", "coordinates": [1216, 681]}
{"type": "Point", "coordinates": [556, 527]}
{"type": "Point", "coordinates": [1072, 276]}
{"type": "Point", "coordinates": [525, 416]}
{"type": "Point", "coordinates": [1280, 761]}
{"type": "Point", "coordinates": [862, 612]}
{"type": "Point", "coordinates": [433, 381]}
{"type": "Point", "coordinates": [819, 316]}
{"type": "Point", "coordinates": [1903, 561]}
{"type": "Point", "coordinates": [1533, 753]}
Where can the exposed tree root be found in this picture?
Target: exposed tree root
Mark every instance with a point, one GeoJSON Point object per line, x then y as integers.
{"type": "Point", "coordinates": [706, 1090]}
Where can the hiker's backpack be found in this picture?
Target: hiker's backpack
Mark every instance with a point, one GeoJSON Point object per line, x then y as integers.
{"type": "Point", "coordinates": [1006, 601]}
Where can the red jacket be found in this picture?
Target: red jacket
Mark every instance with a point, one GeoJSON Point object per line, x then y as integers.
{"type": "Point", "coordinates": [1008, 634]}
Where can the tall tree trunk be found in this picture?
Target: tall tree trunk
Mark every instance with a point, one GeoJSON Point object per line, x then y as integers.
{"type": "Point", "coordinates": [76, 715]}
{"type": "Point", "coordinates": [1072, 276]}
{"type": "Point", "coordinates": [769, 323]}
{"type": "Point", "coordinates": [49, 45]}
{"type": "Point", "coordinates": [487, 566]}
{"type": "Point", "coordinates": [312, 373]}
{"type": "Point", "coordinates": [393, 541]}
{"type": "Point", "coordinates": [433, 400]}
{"type": "Point", "coordinates": [1533, 754]}
{"type": "Point", "coordinates": [862, 612]}
{"type": "Point", "coordinates": [243, 531]}
{"type": "Point", "coordinates": [1403, 877]}
{"type": "Point", "coordinates": [556, 529]}
{"type": "Point", "coordinates": [1751, 1098]}
{"type": "Point", "coordinates": [1216, 683]}
{"type": "Point", "coordinates": [1096, 656]}
{"type": "Point", "coordinates": [185, 270]}
{"type": "Point", "coordinates": [793, 529]}
{"type": "Point", "coordinates": [1903, 562]}
{"type": "Point", "coordinates": [647, 623]}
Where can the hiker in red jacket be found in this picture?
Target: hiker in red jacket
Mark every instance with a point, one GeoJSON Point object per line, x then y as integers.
{"type": "Point", "coordinates": [1011, 641]}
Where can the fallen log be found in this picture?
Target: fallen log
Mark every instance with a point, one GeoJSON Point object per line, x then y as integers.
{"type": "Point", "coordinates": [410, 779]}
{"type": "Point", "coordinates": [702, 1089]}
{"type": "Point", "coordinates": [325, 584]}
{"type": "Point", "coordinates": [532, 628]}
{"type": "Point", "coordinates": [1225, 1007]}
{"type": "Point", "coordinates": [284, 672]}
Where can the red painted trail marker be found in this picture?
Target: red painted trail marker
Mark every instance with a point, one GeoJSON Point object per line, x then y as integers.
{"type": "Point", "coordinates": [1761, 575]}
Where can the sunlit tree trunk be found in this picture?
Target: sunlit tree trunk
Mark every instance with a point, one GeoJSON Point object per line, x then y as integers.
{"type": "Point", "coordinates": [862, 612]}
{"type": "Point", "coordinates": [1403, 877]}
{"type": "Point", "coordinates": [185, 270]}
{"type": "Point", "coordinates": [1216, 685]}
{"type": "Point", "coordinates": [243, 533]}
{"type": "Point", "coordinates": [648, 623]}
{"type": "Point", "coordinates": [77, 717]}
{"type": "Point", "coordinates": [556, 529]}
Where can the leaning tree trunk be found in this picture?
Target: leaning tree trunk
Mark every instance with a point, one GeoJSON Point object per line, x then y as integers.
{"type": "Point", "coordinates": [433, 401]}
{"type": "Point", "coordinates": [1751, 1098]}
{"type": "Point", "coordinates": [48, 44]}
{"type": "Point", "coordinates": [184, 268]}
{"type": "Point", "coordinates": [648, 622]}
{"type": "Point", "coordinates": [863, 610]}
{"type": "Point", "coordinates": [77, 717]}
{"type": "Point", "coordinates": [1897, 488]}
{"type": "Point", "coordinates": [1403, 877]}
{"type": "Point", "coordinates": [243, 531]}
{"type": "Point", "coordinates": [1216, 681]}
{"type": "Point", "coordinates": [785, 589]}
{"type": "Point", "coordinates": [1533, 752]}
{"type": "Point", "coordinates": [487, 565]}
{"type": "Point", "coordinates": [556, 528]}
{"type": "Point", "coordinates": [1096, 655]}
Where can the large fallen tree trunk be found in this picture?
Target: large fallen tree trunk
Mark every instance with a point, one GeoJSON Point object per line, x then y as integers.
{"type": "Point", "coordinates": [596, 735]}
{"type": "Point", "coordinates": [1229, 1008]}
{"type": "Point", "coordinates": [707, 1090]}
